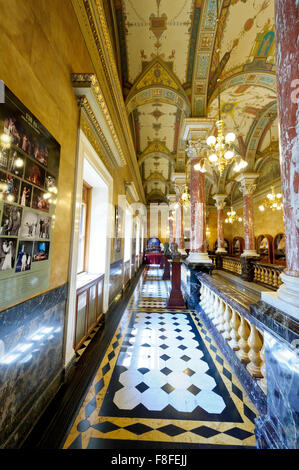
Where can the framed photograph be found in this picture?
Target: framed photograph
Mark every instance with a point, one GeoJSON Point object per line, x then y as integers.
{"type": "Point", "coordinates": [11, 220]}
{"type": "Point", "coordinates": [50, 181]}
{"type": "Point", "coordinates": [7, 253]}
{"type": "Point", "coordinates": [25, 194]}
{"type": "Point", "coordinates": [4, 159]}
{"type": "Point", "coordinates": [16, 163]}
{"type": "Point", "coordinates": [24, 256]}
{"type": "Point", "coordinates": [29, 225]}
{"type": "Point", "coordinates": [38, 201]}
{"type": "Point", "coordinates": [9, 186]}
{"type": "Point", "coordinates": [43, 227]}
{"type": "Point", "coordinates": [41, 251]}
{"type": "Point", "coordinates": [34, 173]}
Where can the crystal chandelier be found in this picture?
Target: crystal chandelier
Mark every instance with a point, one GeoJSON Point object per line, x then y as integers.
{"type": "Point", "coordinates": [221, 152]}
{"type": "Point", "coordinates": [220, 149]}
{"type": "Point", "coordinates": [232, 216]}
{"type": "Point", "coordinates": [273, 201]}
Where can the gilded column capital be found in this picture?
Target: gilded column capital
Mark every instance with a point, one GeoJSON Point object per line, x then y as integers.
{"type": "Point", "coordinates": [220, 201]}
{"type": "Point", "coordinates": [247, 182]}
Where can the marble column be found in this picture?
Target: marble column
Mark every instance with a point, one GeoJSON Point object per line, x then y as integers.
{"type": "Point", "coordinates": [287, 58]}
{"type": "Point", "coordinates": [220, 204]}
{"type": "Point", "coordinates": [198, 246]}
{"type": "Point", "coordinates": [247, 187]}
{"type": "Point", "coordinates": [171, 234]}
{"type": "Point", "coordinates": [180, 227]}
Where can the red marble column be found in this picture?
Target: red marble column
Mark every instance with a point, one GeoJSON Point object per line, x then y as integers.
{"type": "Point", "coordinates": [220, 204]}
{"type": "Point", "coordinates": [198, 245]}
{"type": "Point", "coordinates": [180, 226]}
{"type": "Point", "coordinates": [247, 188]}
{"type": "Point", "coordinates": [287, 59]}
{"type": "Point", "coordinates": [171, 235]}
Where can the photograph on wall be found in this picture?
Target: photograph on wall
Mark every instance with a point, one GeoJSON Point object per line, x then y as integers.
{"type": "Point", "coordinates": [34, 173]}
{"type": "Point", "coordinates": [7, 253]}
{"type": "Point", "coordinates": [4, 159]}
{"type": "Point", "coordinates": [9, 187]}
{"type": "Point", "coordinates": [25, 194]}
{"type": "Point", "coordinates": [11, 220]}
{"type": "Point", "coordinates": [43, 227]}
{"type": "Point", "coordinates": [29, 225]}
{"type": "Point", "coordinates": [24, 256]}
{"type": "Point", "coordinates": [27, 133]}
{"type": "Point", "coordinates": [50, 181]}
{"type": "Point", "coordinates": [41, 251]}
{"type": "Point", "coordinates": [39, 202]}
{"type": "Point", "coordinates": [16, 163]}
{"type": "Point", "coordinates": [29, 167]}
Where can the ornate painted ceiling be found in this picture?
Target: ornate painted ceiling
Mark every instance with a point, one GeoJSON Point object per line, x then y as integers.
{"type": "Point", "coordinates": [175, 59]}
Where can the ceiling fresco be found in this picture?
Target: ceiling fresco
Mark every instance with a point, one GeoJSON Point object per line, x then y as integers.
{"type": "Point", "coordinates": [240, 107]}
{"type": "Point", "coordinates": [172, 69]}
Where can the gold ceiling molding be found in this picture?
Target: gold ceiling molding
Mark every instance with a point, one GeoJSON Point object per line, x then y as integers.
{"type": "Point", "coordinates": [130, 189]}
{"type": "Point", "coordinates": [89, 81]}
{"type": "Point", "coordinates": [93, 25]}
{"type": "Point", "coordinates": [203, 56]}
{"type": "Point", "coordinates": [156, 75]}
{"type": "Point", "coordinates": [156, 176]}
{"type": "Point", "coordinates": [167, 86]}
{"type": "Point", "coordinates": [156, 146]}
{"type": "Point", "coordinates": [91, 128]}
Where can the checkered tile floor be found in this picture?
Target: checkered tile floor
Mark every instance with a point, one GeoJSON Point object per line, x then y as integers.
{"type": "Point", "coordinates": [163, 379]}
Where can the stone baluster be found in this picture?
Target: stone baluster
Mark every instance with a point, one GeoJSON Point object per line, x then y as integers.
{"type": "Point", "coordinates": [234, 332]}
{"type": "Point", "coordinates": [244, 332]}
{"type": "Point", "coordinates": [216, 318]}
{"type": "Point", "coordinates": [220, 316]}
{"type": "Point", "coordinates": [207, 293]}
{"type": "Point", "coordinates": [221, 324]}
{"type": "Point", "coordinates": [255, 342]}
{"type": "Point", "coordinates": [227, 327]}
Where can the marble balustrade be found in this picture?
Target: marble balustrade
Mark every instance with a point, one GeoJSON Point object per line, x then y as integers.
{"type": "Point", "coordinates": [261, 343]}
{"type": "Point", "coordinates": [232, 264]}
{"type": "Point", "coordinates": [268, 274]}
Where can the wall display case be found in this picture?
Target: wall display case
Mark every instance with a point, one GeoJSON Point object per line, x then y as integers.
{"type": "Point", "coordinates": [279, 255]}
{"type": "Point", "coordinates": [29, 167]}
{"type": "Point", "coordinates": [264, 247]}
{"type": "Point", "coordinates": [237, 246]}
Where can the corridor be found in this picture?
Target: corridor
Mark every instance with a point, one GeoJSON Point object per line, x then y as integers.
{"type": "Point", "coordinates": [163, 383]}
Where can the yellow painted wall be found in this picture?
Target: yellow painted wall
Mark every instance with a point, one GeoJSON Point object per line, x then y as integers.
{"type": "Point", "coordinates": [266, 223]}
{"type": "Point", "coordinates": [40, 46]}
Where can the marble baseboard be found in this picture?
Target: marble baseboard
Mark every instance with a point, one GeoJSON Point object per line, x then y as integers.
{"type": "Point", "coordinates": [31, 356]}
